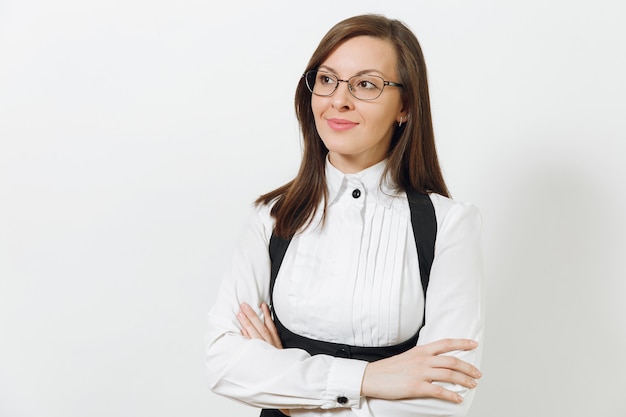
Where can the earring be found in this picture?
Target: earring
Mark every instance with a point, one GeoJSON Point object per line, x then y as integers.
{"type": "Point", "coordinates": [402, 120]}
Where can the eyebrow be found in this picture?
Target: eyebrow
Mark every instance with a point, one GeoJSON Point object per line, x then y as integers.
{"type": "Point", "coordinates": [365, 71]}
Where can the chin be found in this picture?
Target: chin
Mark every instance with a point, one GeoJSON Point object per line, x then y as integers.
{"type": "Point", "coordinates": [340, 148]}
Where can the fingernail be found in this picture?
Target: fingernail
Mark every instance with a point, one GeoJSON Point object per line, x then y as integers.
{"type": "Point", "coordinates": [473, 383]}
{"type": "Point", "coordinates": [459, 399]}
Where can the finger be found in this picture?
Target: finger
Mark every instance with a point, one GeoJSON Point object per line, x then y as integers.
{"type": "Point", "coordinates": [247, 326]}
{"type": "Point", "coordinates": [455, 364]}
{"type": "Point", "coordinates": [245, 333]}
{"type": "Point", "coordinates": [437, 391]}
{"type": "Point", "coordinates": [267, 318]}
{"type": "Point", "coordinates": [448, 345]}
{"type": "Point", "coordinates": [259, 328]}
{"type": "Point", "coordinates": [450, 376]}
{"type": "Point", "coordinates": [269, 323]}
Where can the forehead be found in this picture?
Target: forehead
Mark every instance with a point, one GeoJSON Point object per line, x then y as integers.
{"type": "Point", "coordinates": [363, 53]}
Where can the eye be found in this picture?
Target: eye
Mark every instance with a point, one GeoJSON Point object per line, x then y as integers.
{"type": "Point", "coordinates": [326, 79]}
{"type": "Point", "coordinates": [367, 83]}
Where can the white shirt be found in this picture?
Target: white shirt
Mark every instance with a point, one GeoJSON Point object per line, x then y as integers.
{"type": "Point", "coordinates": [353, 280]}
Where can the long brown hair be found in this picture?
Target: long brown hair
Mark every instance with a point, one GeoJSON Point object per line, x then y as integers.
{"type": "Point", "coordinates": [412, 159]}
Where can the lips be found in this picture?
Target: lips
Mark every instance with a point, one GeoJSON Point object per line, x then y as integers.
{"type": "Point", "coordinates": [341, 124]}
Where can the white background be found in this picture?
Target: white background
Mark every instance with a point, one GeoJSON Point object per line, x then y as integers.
{"type": "Point", "coordinates": [135, 134]}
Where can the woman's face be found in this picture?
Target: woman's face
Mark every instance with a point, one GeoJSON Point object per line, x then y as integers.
{"type": "Point", "coordinates": [358, 133]}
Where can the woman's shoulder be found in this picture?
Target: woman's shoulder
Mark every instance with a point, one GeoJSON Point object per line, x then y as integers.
{"type": "Point", "coordinates": [260, 217]}
{"type": "Point", "coordinates": [448, 210]}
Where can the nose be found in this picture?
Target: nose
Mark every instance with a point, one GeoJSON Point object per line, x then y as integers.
{"type": "Point", "coordinates": [342, 97]}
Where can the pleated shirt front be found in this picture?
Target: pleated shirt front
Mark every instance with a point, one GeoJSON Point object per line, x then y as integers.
{"type": "Point", "coordinates": [354, 278]}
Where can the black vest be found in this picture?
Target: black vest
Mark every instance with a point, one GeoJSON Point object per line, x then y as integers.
{"type": "Point", "coordinates": [424, 225]}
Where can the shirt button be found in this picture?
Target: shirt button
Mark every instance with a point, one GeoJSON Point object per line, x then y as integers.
{"type": "Point", "coordinates": [356, 193]}
{"type": "Point", "coordinates": [342, 400]}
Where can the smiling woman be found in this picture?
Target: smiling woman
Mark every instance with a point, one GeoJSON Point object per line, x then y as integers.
{"type": "Point", "coordinates": [356, 286]}
{"type": "Point", "coordinates": [356, 123]}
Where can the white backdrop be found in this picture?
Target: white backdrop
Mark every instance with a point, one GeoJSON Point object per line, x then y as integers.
{"type": "Point", "coordinates": [134, 137]}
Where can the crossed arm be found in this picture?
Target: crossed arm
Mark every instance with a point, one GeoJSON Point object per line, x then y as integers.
{"type": "Point", "coordinates": [408, 375]}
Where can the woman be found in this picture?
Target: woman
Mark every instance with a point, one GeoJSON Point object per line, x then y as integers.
{"type": "Point", "coordinates": [344, 253]}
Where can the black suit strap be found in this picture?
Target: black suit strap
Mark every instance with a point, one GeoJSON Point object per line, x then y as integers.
{"type": "Point", "coordinates": [424, 224]}
{"type": "Point", "coordinates": [278, 248]}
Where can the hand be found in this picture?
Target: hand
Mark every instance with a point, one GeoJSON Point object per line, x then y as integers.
{"type": "Point", "coordinates": [411, 374]}
{"type": "Point", "coordinates": [253, 328]}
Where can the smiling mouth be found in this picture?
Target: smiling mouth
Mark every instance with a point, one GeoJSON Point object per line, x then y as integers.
{"type": "Point", "coordinates": [340, 124]}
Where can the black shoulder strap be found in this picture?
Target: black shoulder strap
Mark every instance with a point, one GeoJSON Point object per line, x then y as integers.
{"type": "Point", "coordinates": [424, 224]}
{"type": "Point", "coordinates": [278, 248]}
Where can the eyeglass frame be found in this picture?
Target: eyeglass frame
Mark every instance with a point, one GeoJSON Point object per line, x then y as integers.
{"type": "Point", "coordinates": [385, 83]}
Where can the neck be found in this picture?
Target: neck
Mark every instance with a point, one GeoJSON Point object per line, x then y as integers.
{"type": "Point", "coordinates": [349, 164]}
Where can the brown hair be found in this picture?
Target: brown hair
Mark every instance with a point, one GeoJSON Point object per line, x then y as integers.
{"type": "Point", "coordinates": [412, 159]}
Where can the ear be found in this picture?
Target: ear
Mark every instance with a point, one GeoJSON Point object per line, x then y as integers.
{"type": "Point", "coordinates": [403, 116]}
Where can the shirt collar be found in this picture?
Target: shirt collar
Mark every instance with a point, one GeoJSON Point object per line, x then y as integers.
{"type": "Point", "coordinates": [370, 179]}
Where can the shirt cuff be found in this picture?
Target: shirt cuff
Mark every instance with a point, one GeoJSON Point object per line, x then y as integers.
{"type": "Point", "coordinates": [343, 388]}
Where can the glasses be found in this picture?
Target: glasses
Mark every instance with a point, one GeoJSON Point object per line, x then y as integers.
{"type": "Point", "coordinates": [362, 87]}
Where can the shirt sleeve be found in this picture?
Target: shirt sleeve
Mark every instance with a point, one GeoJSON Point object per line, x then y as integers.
{"type": "Point", "coordinates": [453, 307]}
{"type": "Point", "coordinates": [253, 371]}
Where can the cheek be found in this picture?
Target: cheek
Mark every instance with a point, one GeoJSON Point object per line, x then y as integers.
{"type": "Point", "coordinates": [388, 117]}
{"type": "Point", "coordinates": [380, 118]}
{"type": "Point", "coordinates": [316, 106]}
